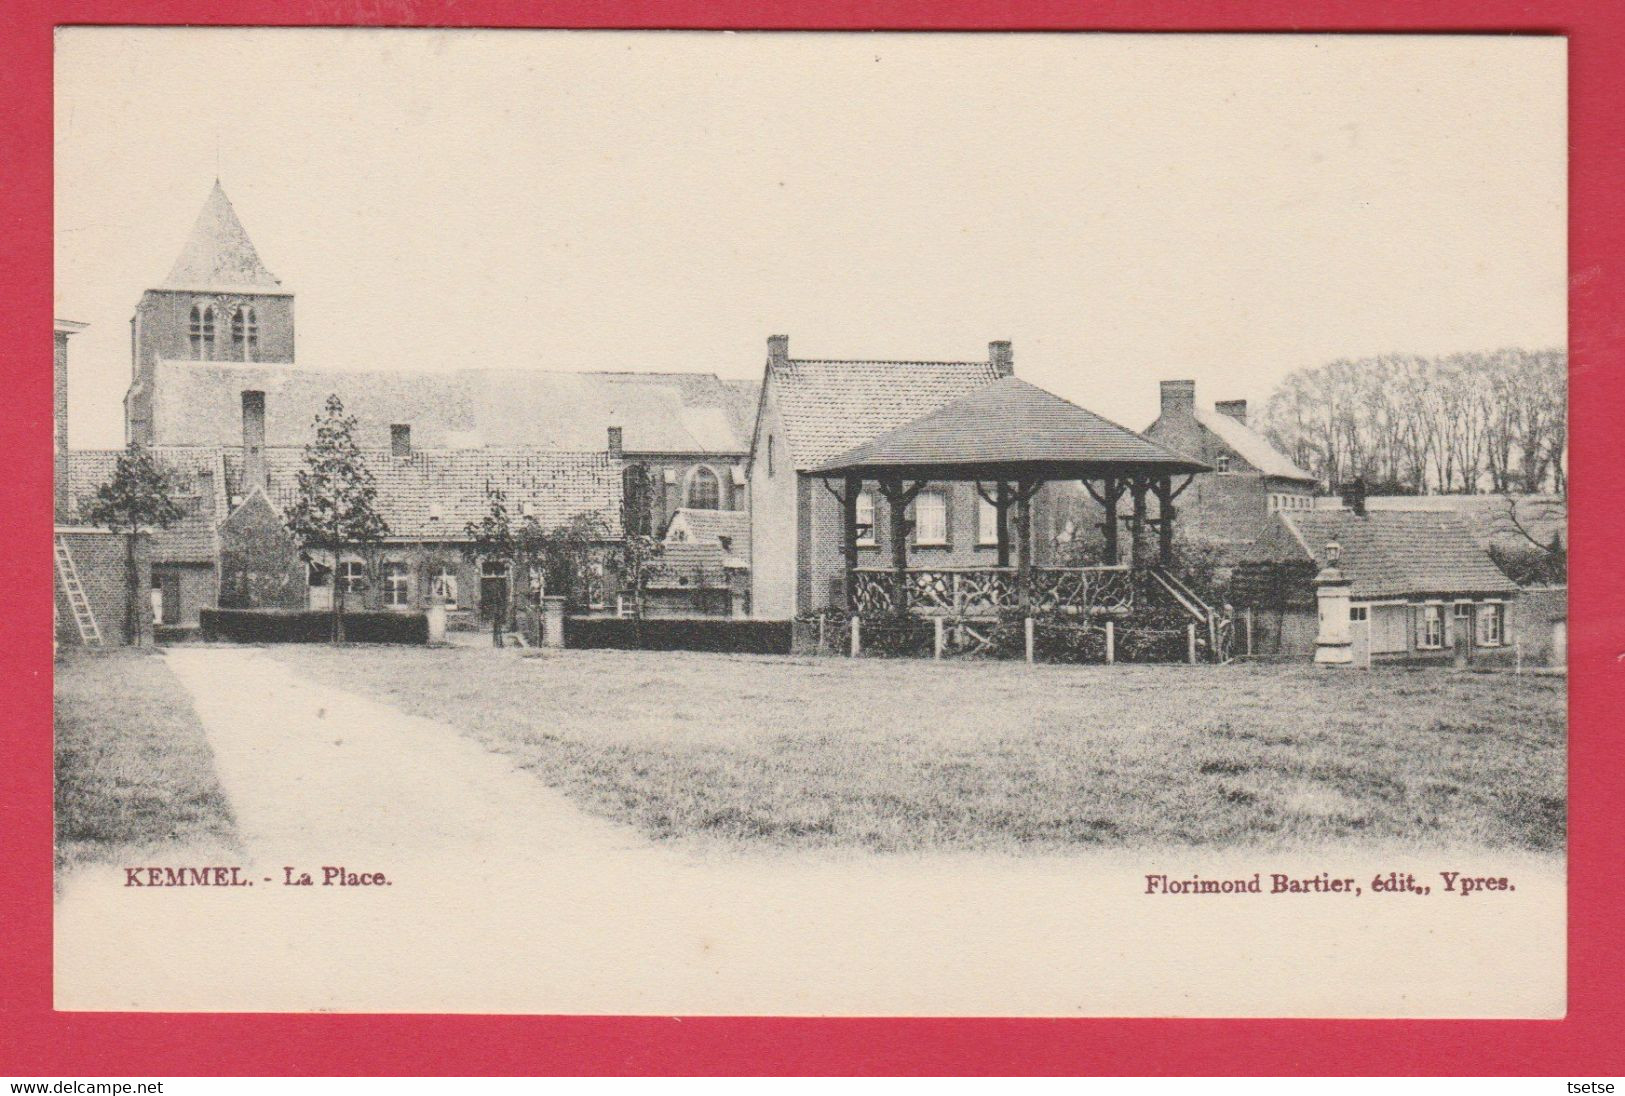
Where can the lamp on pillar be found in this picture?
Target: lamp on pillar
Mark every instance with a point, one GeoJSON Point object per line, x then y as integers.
{"type": "Point", "coordinates": [1333, 644]}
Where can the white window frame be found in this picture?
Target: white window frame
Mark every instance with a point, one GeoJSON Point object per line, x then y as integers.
{"type": "Point", "coordinates": [920, 540]}
{"type": "Point", "coordinates": [1221, 463]}
{"type": "Point", "coordinates": [866, 506]}
{"type": "Point", "coordinates": [395, 578]}
{"type": "Point", "coordinates": [1427, 615]}
{"type": "Point", "coordinates": [987, 522]}
{"type": "Point", "coordinates": [438, 572]}
{"type": "Point", "coordinates": [1494, 611]}
{"type": "Point", "coordinates": [350, 573]}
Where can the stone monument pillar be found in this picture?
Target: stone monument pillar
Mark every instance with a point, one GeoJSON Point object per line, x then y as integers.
{"type": "Point", "coordinates": [1334, 645]}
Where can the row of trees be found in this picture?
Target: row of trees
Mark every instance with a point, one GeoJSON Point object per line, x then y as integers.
{"type": "Point", "coordinates": [336, 512]}
{"type": "Point", "coordinates": [1459, 424]}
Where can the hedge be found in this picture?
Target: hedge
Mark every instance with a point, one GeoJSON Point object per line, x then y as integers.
{"type": "Point", "coordinates": [763, 637]}
{"type": "Point", "coordinates": [312, 626]}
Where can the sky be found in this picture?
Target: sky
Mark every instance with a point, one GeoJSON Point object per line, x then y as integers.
{"type": "Point", "coordinates": [1124, 208]}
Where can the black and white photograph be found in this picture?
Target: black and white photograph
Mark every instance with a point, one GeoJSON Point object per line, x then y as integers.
{"type": "Point", "coordinates": [810, 523]}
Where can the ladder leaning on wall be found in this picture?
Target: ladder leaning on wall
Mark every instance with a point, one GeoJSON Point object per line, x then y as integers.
{"type": "Point", "coordinates": [90, 634]}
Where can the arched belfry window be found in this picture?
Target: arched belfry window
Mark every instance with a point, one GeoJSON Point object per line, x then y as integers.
{"type": "Point", "coordinates": [245, 334]}
{"type": "Point", "coordinates": [704, 490]}
{"type": "Point", "coordinates": [202, 331]}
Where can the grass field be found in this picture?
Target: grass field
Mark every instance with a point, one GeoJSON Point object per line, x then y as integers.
{"type": "Point", "coordinates": [910, 755]}
{"type": "Point", "coordinates": [133, 770]}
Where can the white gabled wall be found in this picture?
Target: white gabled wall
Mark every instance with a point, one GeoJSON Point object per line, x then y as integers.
{"type": "Point", "coordinates": [773, 536]}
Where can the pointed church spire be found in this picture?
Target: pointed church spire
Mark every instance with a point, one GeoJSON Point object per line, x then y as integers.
{"type": "Point", "coordinates": [219, 254]}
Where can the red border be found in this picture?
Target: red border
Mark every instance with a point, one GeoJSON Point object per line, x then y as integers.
{"type": "Point", "coordinates": [40, 1042]}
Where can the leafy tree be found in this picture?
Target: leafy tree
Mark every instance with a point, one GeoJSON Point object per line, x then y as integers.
{"type": "Point", "coordinates": [337, 505]}
{"type": "Point", "coordinates": [138, 498]}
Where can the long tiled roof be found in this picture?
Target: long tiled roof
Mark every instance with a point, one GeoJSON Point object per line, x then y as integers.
{"type": "Point", "coordinates": [200, 403]}
{"type": "Point", "coordinates": [1009, 422]}
{"type": "Point", "coordinates": [1251, 446]}
{"type": "Point", "coordinates": [218, 254]}
{"type": "Point", "coordinates": [1394, 553]}
{"type": "Point", "coordinates": [433, 494]}
{"type": "Point", "coordinates": [198, 474]}
{"type": "Point", "coordinates": [829, 406]}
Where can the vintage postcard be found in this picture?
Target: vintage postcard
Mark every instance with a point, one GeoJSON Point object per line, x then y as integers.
{"type": "Point", "coordinates": [810, 524]}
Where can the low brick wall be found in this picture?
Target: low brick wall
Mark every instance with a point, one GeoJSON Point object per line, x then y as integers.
{"type": "Point", "coordinates": [311, 626]}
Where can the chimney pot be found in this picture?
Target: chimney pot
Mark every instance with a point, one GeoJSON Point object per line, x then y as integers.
{"type": "Point", "coordinates": [1001, 357]}
{"type": "Point", "coordinates": [778, 349]}
{"type": "Point", "coordinates": [1236, 409]}
{"type": "Point", "coordinates": [255, 473]}
{"type": "Point", "coordinates": [400, 440]}
{"type": "Point", "coordinates": [1179, 397]}
{"type": "Point", "coordinates": [615, 446]}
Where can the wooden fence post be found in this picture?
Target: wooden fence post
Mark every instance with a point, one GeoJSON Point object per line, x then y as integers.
{"type": "Point", "coordinates": [1190, 640]}
{"type": "Point", "coordinates": [936, 651]}
{"type": "Point", "coordinates": [857, 642]}
{"type": "Point", "coordinates": [1249, 631]}
{"type": "Point", "coordinates": [1029, 639]}
{"type": "Point", "coordinates": [1111, 643]}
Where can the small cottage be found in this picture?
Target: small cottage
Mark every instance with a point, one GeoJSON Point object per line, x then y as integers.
{"type": "Point", "coordinates": [1406, 586]}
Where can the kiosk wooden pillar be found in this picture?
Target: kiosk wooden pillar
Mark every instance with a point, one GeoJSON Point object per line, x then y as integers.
{"type": "Point", "coordinates": [849, 539]}
{"type": "Point", "coordinates": [1165, 520]}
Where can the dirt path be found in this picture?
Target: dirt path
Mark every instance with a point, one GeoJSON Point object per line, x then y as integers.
{"type": "Point", "coordinates": [504, 897]}
{"type": "Point", "coordinates": [316, 772]}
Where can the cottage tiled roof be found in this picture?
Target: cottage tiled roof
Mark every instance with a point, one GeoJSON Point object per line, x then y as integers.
{"type": "Point", "coordinates": [433, 494]}
{"type": "Point", "coordinates": [219, 254]}
{"type": "Point", "coordinates": [1251, 446]}
{"type": "Point", "coordinates": [1009, 422]}
{"type": "Point", "coordinates": [200, 402]}
{"type": "Point", "coordinates": [1488, 516]}
{"type": "Point", "coordinates": [728, 528]}
{"type": "Point", "coordinates": [198, 474]}
{"type": "Point", "coordinates": [1394, 553]}
{"type": "Point", "coordinates": [688, 565]}
{"type": "Point", "coordinates": [829, 406]}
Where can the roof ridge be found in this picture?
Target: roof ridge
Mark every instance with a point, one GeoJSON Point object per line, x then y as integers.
{"type": "Point", "coordinates": [883, 361]}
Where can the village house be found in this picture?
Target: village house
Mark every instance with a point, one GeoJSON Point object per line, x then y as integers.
{"type": "Point", "coordinates": [1251, 478]}
{"type": "Point", "coordinates": [218, 397]}
{"type": "Point", "coordinates": [1374, 586]}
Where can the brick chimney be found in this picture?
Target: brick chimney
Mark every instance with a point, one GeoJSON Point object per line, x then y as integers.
{"type": "Point", "coordinates": [1236, 409]}
{"type": "Point", "coordinates": [400, 439]}
{"type": "Point", "coordinates": [778, 350]}
{"type": "Point", "coordinates": [1353, 493]}
{"type": "Point", "coordinates": [1002, 358]}
{"type": "Point", "coordinates": [254, 469]}
{"type": "Point", "coordinates": [616, 449]}
{"type": "Point", "coordinates": [1179, 397]}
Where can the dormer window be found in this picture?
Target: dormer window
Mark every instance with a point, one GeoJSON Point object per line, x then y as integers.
{"type": "Point", "coordinates": [245, 334]}
{"type": "Point", "coordinates": [202, 332]}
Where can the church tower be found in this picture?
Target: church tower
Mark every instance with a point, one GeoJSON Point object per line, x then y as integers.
{"type": "Point", "coordinates": [219, 303]}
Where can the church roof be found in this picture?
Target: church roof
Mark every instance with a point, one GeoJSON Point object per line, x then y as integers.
{"type": "Point", "coordinates": [1013, 425]}
{"type": "Point", "coordinates": [219, 254]}
{"type": "Point", "coordinates": [200, 403]}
